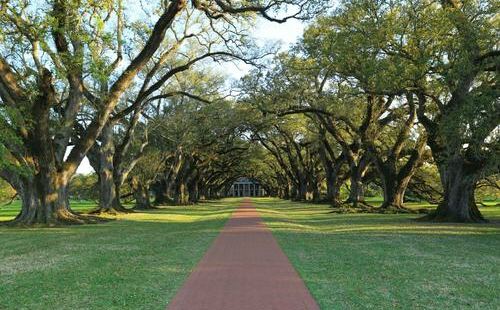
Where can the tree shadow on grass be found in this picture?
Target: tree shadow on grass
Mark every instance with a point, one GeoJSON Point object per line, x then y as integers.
{"type": "Point", "coordinates": [315, 219]}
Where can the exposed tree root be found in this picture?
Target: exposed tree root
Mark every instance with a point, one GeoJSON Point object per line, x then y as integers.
{"type": "Point", "coordinates": [58, 219]}
{"type": "Point", "coordinates": [401, 210]}
{"type": "Point", "coordinates": [111, 211]}
{"type": "Point", "coordinates": [363, 207]}
{"type": "Point", "coordinates": [482, 204]}
{"type": "Point", "coordinates": [143, 208]}
{"type": "Point", "coordinates": [435, 217]}
{"type": "Point", "coordinates": [348, 207]}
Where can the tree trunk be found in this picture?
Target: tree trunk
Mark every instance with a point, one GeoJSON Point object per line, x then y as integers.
{"type": "Point", "coordinates": [459, 181]}
{"type": "Point", "coordinates": [302, 190]}
{"type": "Point", "coordinates": [107, 192]}
{"type": "Point", "coordinates": [142, 200]}
{"type": "Point", "coordinates": [159, 191]}
{"type": "Point", "coordinates": [393, 191]}
{"type": "Point", "coordinates": [181, 195]}
{"type": "Point", "coordinates": [141, 195]}
{"type": "Point", "coordinates": [333, 192]}
{"type": "Point", "coordinates": [330, 187]}
{"type": "Point", "coordinates": [108, 197]}
{"type": "Point", "coordinates": [44, 192]}
{"type": "Point", "coordinates": [202, 191]}
{"type": "Point", "coordinates": [459, 175]}
{"type": "Point", "coordinates": [316, 196]}
{"type": "Point", "coordinates": [394, 186]}
{"type": "Point", "coordinates": [45, 201]}
{"type": "Point", "coordinates": [333, 185]}
{"type": "Point", "coordinates": [356, 194]}
{"type": "Point", "coordinates": [117, 202]}
{"type": "Point", "coordinates": [288, 191]}
{"type": "Point", "coordinates": [193, 192]}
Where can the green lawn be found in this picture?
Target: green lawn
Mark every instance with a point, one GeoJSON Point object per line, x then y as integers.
{"type": "Point", "coordinates": [353, 261]}
{"type": "Point", "coordinates": [136, 262]}
{"type": "Point", "coordinates": [375, 261]}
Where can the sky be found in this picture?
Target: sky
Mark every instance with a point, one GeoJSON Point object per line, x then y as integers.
{"type": "Point", "coordinates": [266, 33]}
{"type": "Point", "coordinates": [270, 33]}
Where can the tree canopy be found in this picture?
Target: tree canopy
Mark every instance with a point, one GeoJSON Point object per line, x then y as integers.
{"type": "Point", "coordinates": [399, 97]}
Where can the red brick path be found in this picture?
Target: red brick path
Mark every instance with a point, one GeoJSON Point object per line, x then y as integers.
{"type": "Point", "coordinates": [244, 269]}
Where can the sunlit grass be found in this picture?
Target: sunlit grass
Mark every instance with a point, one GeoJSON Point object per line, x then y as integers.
{"type": "Point", "coordinates": [9, 211]}
{"type": "Point", "coordinates": [360, 261]}
{"type": "Point", "coordinates": [138, 261]}
{"type": "Point", "coordinates": [352, 261]}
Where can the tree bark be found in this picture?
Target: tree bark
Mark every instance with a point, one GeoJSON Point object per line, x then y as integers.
{"type": "Point", "coordinates": [44, 201]}
{"type": "Point", "coordinates": [395, 182]}
{"type": "Point", "coordinates": [46, 192]}
{"type": "Point", "coordinates": [393, 191]}
{"type": "Point", "coordinates": [289, 190]}
{"type": "Point", "coordinates": [333, 185]}
{"type": "Point", "coordinates": [459, 180]}
{"type": "Point", "coordinates": [301, 189]}
{"type": "Point", "coordinates": [356, 193]}
{"type": "Point", "coordinates": [141, 195]}
{"type": "Point", "coordinates": [160, 192]}
{"type": "Point", "coordinates": [459, 170]}
{"type": "Point", "coordinates": [193, 192]}
{"type": "Point", "coordinates": [102, 161]}
{"type": "Point", "coordinates": [181, 195]}
{"type": "Point", "coordinates": [316, 196]}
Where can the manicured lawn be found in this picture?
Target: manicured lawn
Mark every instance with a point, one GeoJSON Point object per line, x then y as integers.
{"type": "Point", "coordinates": [136, 262]}
{"type": "Point", "coordinates": [353, 261]}
{"type": "Point", "coordinates": [367, 261]}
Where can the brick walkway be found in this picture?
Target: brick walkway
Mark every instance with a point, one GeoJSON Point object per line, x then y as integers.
{"type": "Point", "coordinates": [244, 269]}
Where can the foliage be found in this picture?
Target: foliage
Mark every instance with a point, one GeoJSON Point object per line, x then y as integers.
{"type": "Point", "coordinates": [84, 187]}
{"type": "Point", "coordinates": [72, 71]}
{"type": "Point", "coordinates": [397, 92]}
{"type": "Point", "coordinates": [6, 192]}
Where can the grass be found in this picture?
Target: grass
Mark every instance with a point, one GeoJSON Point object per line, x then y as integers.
{"type": "Point", "coordinates": [379, 261]}
{"type": "Point", "coordinates": [351, 261]}
{"type": "Point", "coordinates": [136, 262]}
